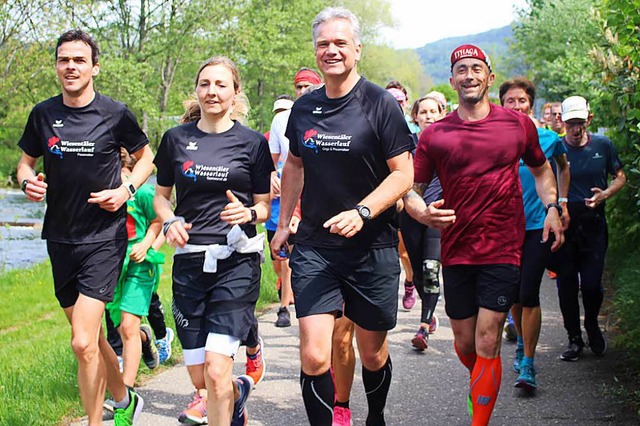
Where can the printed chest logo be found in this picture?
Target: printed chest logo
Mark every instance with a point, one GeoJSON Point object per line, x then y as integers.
{"type": "Point", "coordinates": [317, 142]}
{"type": "Point", "coordinates": [597, 156]}
{"type": "Point", "coordinates": [59, 147]}
{"type": "Point", "coordinates": [317, 110]}
{"type": "Point", "coordinates": [54, 146]}
{"type": "Point", "coordinates": [58, 123]}
{"type": "Point", "coordinates": [195, 171]}
{"type": "Point", "coordinates": [192, 146]}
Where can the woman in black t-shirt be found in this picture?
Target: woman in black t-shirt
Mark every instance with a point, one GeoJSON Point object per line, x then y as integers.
{"type": "Point", "coordinates": [221, 172]}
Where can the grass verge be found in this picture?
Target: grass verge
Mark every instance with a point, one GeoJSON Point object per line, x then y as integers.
{"type": "Point", "coordinates": [37, 367]}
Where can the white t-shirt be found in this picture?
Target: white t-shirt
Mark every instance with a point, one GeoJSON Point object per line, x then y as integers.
{"type": "Point", "coordinates": [278, 142]}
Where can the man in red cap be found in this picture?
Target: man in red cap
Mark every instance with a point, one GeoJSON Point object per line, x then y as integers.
{"type": "Point", "coordinates": [475, 152]}
{"type": "Point", "coordinates": [305, 77]}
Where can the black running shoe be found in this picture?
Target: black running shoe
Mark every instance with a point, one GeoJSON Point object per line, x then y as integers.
{"type": "Point", "coordinates": [597, 342]}
{"type": "Point", "coordinates": [149, 352]}
{"type": "Point", "coordinates": [284, 318]}
{"type": "Point", "coordinates": [574, 349]}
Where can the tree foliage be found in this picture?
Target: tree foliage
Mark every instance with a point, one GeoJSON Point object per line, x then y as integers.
{"type": "Point", "coordinates": [151, 50]}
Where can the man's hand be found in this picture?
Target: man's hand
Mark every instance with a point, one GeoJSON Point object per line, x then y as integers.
{"type": "Point", "coordinates": [177, 234]}
{"type": "Point", "coordinates": [36, 188]}
{"type": "Point", "coordinates": [552, 223]}
{"type": "Point", "coordinates": [599, 196]}
{"type": "Point", "coordinates": [235, 213]}
{"type": "Point", "coordinates": [433, 216]}
{"type": "Point", "coordinates": [347, 223]}
{"type": "Point", "coordinates": [110, 199]}
{"type": "Point", "coordinates": [566, 217]}
{"type": "Point", "coordinates": [279, 239]}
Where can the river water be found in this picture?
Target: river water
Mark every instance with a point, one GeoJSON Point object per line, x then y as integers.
{"type": "Point", "coordinates": [20, 230]}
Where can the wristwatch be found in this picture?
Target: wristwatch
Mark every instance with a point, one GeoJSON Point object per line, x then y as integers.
{"type": "Point", "coordinates": [556, 206]}
{"type": "Point", "coordinates": [131, 189]}
{"type": "Point", "coordinates": [254, 215]}
{"type": "Point", "coordinates": [23, 185]}
{"type": "Point", "coordinates": [364, 212]}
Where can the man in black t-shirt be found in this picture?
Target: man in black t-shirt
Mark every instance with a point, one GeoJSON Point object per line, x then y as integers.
{"type": "Point", "coordinates": [350, 150]}
{"type": "Point", "coordinates": [79, 135]}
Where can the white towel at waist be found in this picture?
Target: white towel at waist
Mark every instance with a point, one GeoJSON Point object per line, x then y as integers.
{"type": "Point", "coordinates": [237, 240]}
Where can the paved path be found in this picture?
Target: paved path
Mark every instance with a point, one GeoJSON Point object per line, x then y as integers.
{"type": "Point", "coordinates": [428, 388]}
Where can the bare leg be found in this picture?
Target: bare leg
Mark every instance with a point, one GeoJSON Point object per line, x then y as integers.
{"type": "Point", "coordinates": [343, 357]}
{"type": "Point", "coordinates": [531, 323]}
{"type": "Point", "coordinates": [220, 388]}
{"type": "Point", "coordinates": [131, 346]}
{"type": "Point", "coordinates": [86, 332]}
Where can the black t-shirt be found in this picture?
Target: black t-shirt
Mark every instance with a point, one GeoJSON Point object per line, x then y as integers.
{"type": "Point", "coordinates": [202, 166]}
{"type": "Point", "coordinates": [344, 144]}
{"type": "Point", "coordinates": [81, 152]}
{"type": "Point", "coordinates": [591, 166]}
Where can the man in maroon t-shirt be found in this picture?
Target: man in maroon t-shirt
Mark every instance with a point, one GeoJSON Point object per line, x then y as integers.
{"type": "Point", "coordinates": [475, 152]}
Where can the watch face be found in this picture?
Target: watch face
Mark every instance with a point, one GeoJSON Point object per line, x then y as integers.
{"type": "Point", "coordinates": [364, 211]}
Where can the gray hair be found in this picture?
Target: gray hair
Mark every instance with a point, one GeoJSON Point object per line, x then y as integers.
{"type": "Point", "coordinates": [332, 13]}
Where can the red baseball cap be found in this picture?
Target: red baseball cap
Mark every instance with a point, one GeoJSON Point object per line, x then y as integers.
{"type": "Point", "coordinates": [469, 51]}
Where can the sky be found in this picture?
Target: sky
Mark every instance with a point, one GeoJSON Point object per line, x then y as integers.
{"type": "Point", "coordinates": [423, 21]}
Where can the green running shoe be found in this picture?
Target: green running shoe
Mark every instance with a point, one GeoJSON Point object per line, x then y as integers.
{"type": "Point", "coordinates": [128, 416]}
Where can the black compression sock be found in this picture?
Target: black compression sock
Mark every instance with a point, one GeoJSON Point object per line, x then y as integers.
{"type": "Point", "coordinates": [342, 404]}
{"type": "Point", "coordinates": [376, 386]}
{"type": "Point", "coordinates": [317, 393]}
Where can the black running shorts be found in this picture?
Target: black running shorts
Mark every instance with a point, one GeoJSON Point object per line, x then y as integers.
{"type": "Point", "coordinates": [366, 281]}
{"type": "Point", "coordinates": [469, 287]}
{"type": "Point", "coordinates": [90, 269]}
{"type": "Point", "coordinates": [222, 302]}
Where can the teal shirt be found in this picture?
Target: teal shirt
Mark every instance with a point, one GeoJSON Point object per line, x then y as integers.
{"type": "Point", "coordinates": [534, 209]}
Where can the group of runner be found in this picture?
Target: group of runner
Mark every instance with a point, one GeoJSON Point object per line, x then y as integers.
{"type": "Point", "coordinates": [352, 165]}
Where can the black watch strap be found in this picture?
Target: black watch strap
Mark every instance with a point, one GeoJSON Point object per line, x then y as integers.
{"type": "Point", "coordinates": [556, 206]}
{"type": "Point", "coordinates": [23, 185]}
{"type": "Point", "coordinates": [254, 215]}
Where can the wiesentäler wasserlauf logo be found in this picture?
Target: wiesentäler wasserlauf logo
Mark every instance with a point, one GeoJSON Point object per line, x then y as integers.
{"type": "Point", "coordinates": [308, 141]}
{"type": "Point", "coordinates": [317, 110]}
{"type": "Point", "coordinates": [188, 170]}
{"type": "Point", "coordinates": [597, 156]}
{"type": "Point", "coordinates": [58, 123]}
{"type": "Point", "coordinates": [192, 146]}
{"type": "Point", "coordinates": [54, 147]}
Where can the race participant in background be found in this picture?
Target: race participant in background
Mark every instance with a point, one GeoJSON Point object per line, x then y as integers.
{"type": "Point", "coordinates": [519, 94]}
{"type": "Point", "coordinates": [580, 263]}
{"type": "Point", "coordinates": [221, 171]}
{"type": "Point", "coordinates": [423, 242]}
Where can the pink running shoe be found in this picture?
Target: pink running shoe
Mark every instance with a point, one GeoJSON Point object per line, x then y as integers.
{"type": "Point", "coordinates": [196, 412]}
{"type": "Point", "coordinates": [341, 416]}
{"type": "Point", "coordinates": [409, 298]}
{"type": "Point", "coordinates": [421, 340]}
{"type": "Point", "coordinates": [433, 326]}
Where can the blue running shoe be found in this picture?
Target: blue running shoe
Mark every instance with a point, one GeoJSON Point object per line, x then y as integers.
{"type": "Point", "coordinates": [527, 378]}
{"type": "Point", "coordinates": [164, 346]}
{"type": "Point", "coordinates": [245, 386]}
{"type": "Point", "coordinates": [518, 359]}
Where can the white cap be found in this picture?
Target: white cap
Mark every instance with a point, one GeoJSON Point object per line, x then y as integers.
{"type": "Point", "coordinates": [575, 107]}
{"type": "Point", "coordinates": [282, 104]}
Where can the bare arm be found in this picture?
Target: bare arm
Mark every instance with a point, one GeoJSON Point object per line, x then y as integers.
{"type": "Point", "coordinates": [292, 183]}
{"type": "Point", "coordinates": [139, 250]}
{"type": "Point", "coordinates": [547, 192]}
{"type": "Point", "coordinates": [177, 234]}
{"type": "Point", "coordinates": [236, 213]}
{"type": "Point", "coordinates": [600, 195]}
{"type": "Point", "coordinates": [112, 199]}
{"type": "Point", "coordinates": [563, 178]}
{"type": "Point", "coordinates": [348, 223]}
{"type": "Point", "coordinates": [36, 187]}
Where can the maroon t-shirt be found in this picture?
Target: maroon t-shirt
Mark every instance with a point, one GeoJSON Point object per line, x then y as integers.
{"type": "Point", "coordinates": [477, 163]}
